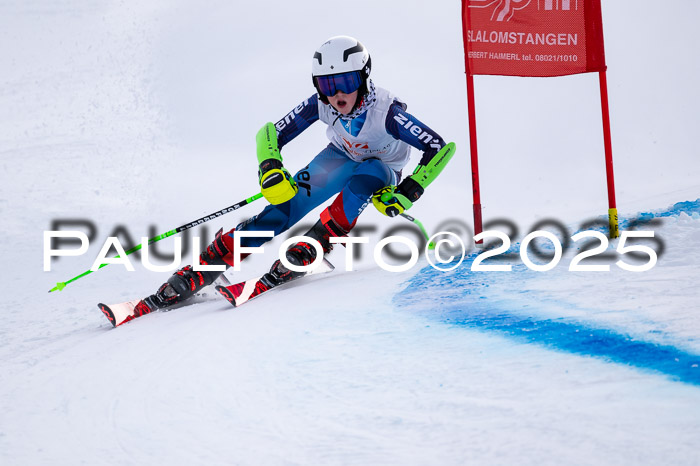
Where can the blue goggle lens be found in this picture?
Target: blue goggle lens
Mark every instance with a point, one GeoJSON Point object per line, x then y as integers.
{"type": "Point", "coordinates": [344, 82]}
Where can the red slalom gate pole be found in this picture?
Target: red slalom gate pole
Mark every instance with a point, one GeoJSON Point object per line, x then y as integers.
{"type": "Point", "coordinates": [607, 139]}
{"type": "Point", "coordinates": [476, 191]}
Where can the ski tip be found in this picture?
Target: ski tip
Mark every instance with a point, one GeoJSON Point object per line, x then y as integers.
{"type": "Point", "coordinates": [108, 313]}
{"type": "Point", "coordinates": [226, 293]}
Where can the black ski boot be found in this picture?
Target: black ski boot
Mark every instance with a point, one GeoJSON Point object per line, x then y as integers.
{"type": "Point", "coordinates": [184, 283]}
{"type": "Point", "coordinates": [303, 253]}
{"type": "Point", "coordinates": [300, 254]}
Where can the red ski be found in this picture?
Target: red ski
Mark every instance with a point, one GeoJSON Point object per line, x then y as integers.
{"type": "Point", "coordinates": [243, 292]}
{"type": "Point", "coordinates": [121, 313]}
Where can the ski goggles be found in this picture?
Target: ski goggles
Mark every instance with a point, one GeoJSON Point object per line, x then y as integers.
{"type": "Point", "coordinates": [346, 83]}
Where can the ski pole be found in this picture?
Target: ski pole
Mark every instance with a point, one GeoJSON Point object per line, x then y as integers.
{"type": "Point", "coordinates": [60, 285]}
{"type": "Point", "coordinates": [431, 245]}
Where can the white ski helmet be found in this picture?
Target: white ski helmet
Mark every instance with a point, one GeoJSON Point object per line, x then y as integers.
{"type": "Point", "coordinates": [343, 63]}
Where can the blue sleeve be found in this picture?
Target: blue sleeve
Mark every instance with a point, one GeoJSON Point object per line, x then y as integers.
{"type": "Point", "coordinates": [296, 121]}
{"type": "Point", "coordinates": [407, 128]}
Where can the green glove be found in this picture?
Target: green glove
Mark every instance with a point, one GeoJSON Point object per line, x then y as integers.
{"type": "Point", "coordinates": [276, 184]}
{"type": "Point", "coordinates": [394, 200]}
{"type": "Point", "coordinates": [390, 202]}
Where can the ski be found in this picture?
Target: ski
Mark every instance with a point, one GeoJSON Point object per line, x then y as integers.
{"type": "Point", "coordinates": [236, 294]}
{"type": "Point", "coordinates": [240, 293]}
{"type": "Point", "coordinates": [121, 313]}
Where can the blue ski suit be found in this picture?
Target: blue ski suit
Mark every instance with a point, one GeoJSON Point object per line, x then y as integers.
{"type": "Point", "coordinates": [368, 150]}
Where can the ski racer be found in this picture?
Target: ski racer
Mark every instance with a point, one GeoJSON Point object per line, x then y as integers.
{"type": "Point", "coordinates": [371, 136]}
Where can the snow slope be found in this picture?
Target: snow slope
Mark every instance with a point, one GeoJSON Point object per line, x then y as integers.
{"type": "Point", "coordinates": [141, 115]}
